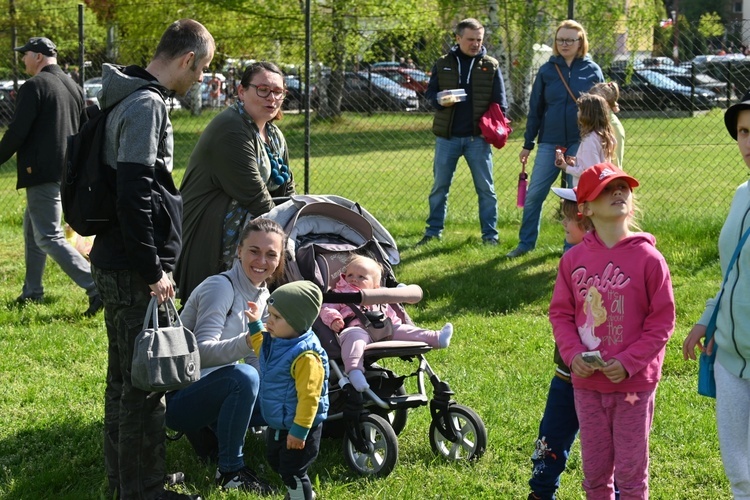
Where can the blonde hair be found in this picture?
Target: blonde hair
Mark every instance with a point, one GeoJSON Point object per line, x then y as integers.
{"type": "Point", "coordinates": [583, 48]}
{"type": "Point", "coordinates": [593, 118]}
{"type": "Point", "coordinates": [610, 91]}
{"type": "Point", "coordinates": [596, 304]}
{"type": "Point", "coordinates": [366, 262]}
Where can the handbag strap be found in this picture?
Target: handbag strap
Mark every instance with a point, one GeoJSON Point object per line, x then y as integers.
{"type": "Point", "coordinates": [712, 322]}
{"type": "Point", "coordinates": [562, 79]}
{"type": "Point", "coordinates": [152, 314]}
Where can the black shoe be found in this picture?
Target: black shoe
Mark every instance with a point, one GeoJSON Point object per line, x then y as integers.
{"type": "Point", "coordinates": [174, 479]}
{"type": "Point", "coordinates": [205, 443]}
{"type": "Point", "coordinates": [426, 239]}
{"type": "Point", "coordinates": [173, 495]}
{"type": "Point", "coordinates": [243, 479]}
{"type": "Point", "coordinates": [95, 304]}
{"type": "Point", "coordinates": [516, 252]}
{"type": "Point", "coordinates": [29, 299]}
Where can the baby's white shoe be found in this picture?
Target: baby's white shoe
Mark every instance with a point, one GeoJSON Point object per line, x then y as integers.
{"type": "Point", "coordinates": [358, 380]}
{"type": "Point", "coordinates": [446, 333]}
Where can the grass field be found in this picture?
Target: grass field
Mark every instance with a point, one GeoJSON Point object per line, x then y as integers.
{"type": "Point", "coordinates": [52, 360]}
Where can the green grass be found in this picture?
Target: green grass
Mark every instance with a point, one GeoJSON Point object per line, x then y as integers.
{"type": "Point", "coordinates": [52, 360]}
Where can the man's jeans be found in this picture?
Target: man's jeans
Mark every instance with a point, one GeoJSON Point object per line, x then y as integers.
{"type": "Point", "coordinates": [134, 437]}
{"type": "Point", "coordinates": [478, 154]}
{"type": "Point", "coordinates": [543, 176]}
{"type": "Point", "coordinates": [43, 235]}
{"type": "Point", "coordinates": [222, 400]}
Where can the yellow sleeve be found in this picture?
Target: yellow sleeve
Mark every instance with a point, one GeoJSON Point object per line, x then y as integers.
{"type": "Point", "coordinates": [309, 375]}
{"type": "Point", "coordinates": [256, 339]}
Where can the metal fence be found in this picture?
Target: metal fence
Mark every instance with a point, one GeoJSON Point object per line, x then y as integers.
{"type": "Point", "coordinates": [672, 115]}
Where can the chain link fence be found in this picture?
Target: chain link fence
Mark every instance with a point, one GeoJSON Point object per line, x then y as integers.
{"type": "Point", "coordinates": [372, 141]}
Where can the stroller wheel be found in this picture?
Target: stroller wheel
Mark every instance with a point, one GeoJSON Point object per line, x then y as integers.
{"type": "Point", "coordinates": [472, 436]}
{"type": "Point", "coordinates": [382, 444]}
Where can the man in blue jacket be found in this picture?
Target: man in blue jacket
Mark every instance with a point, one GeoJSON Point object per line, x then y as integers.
{"type": "Point", "coordinates": [48, 109]}
{"type": "Point", "coordinates": [466, 67]}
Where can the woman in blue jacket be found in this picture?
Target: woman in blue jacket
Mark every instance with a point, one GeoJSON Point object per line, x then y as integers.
{"type": "Point", "coordinates": [553, 121]}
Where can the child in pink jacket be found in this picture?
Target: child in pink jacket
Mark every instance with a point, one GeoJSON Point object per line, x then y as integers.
{"type": "Point", "coordinates": [363, 273]}
{"type": "Point", "coordinates": [613, 295]}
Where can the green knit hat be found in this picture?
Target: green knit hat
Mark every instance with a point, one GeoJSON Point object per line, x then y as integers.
{"type": "Point", "coordinates": [298, 303]}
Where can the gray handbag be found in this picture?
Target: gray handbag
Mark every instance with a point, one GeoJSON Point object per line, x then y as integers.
{"type": "Point", "coordinates": [164, 358]}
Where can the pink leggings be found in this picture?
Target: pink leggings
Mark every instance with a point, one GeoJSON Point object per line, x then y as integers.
{"type": "Point", "coordinates": [614, 442]}
{"type": "Point", "coordinates": [354, 339]}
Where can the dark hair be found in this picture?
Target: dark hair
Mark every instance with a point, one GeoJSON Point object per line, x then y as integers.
{"type": "Point", "coordinates": [470, 23]}
{"type": "Point", "coordinates": [261, 225]}
{"type": "Point", "coordinates": [183, 36]}
{"type": "Point", "coordinates": [254, 69]}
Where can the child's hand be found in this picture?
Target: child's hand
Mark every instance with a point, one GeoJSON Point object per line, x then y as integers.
{"type": "Point", "coordinates": [337, 325]}
{"type": "Point", "coordinates": [559, 158]}
{"type": "Point", "coordinates": [693, 340]}
{"type": "Point", "coordinates": [570, 160]}
{"type": "Point", "coordinates": [581, 368]}
{"type": "Point", "coordinates": [252, 312]}
{"type": "Point", "coordinates": [614, 371]}
{"type": "Point", "coordinates": [293, 443]}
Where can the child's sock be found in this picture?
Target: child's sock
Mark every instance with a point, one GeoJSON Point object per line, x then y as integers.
{"type": "Point", "coordinates": [358, 380]}
{"type": "Point", "coordinates": [445, 336]}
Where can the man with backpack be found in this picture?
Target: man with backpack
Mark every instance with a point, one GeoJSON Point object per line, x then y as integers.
{"type": "Point", "coordinates": [48, 109]}
{"type": "Point", "coordinates": [133, 259]}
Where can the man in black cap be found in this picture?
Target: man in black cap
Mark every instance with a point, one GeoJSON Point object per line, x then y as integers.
{"type": "Point", "coordinates": [48, 109]}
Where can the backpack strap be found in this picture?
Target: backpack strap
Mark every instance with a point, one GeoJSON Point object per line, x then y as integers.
{"type": "Point", "coordinates": [231, 283]}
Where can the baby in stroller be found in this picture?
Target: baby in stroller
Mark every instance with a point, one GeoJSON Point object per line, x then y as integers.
{"type": "Point", "coordinates": [356, 328]}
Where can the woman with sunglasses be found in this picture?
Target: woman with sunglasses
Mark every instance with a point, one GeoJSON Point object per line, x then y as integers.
{"type": "Point", "coordinates": [553, 121]}
{"type": "Point", "coordinates": [240, 163]}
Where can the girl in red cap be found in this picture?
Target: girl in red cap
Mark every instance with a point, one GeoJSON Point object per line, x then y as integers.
{"type": "Point", "coordinates": [612, 313]}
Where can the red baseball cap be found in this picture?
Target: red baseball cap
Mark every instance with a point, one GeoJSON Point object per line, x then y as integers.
{"type": "Point", "coordinates": [594, 179]}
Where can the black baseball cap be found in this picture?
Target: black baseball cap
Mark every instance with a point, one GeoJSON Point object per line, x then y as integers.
{"type": "Point", "coordinates": [40, 45]}
{"type": "Point", "coordinates": [730, 117]}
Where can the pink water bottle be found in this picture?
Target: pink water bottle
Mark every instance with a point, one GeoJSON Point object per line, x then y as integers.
{"type": "Point", "coordinates": [522, 183]}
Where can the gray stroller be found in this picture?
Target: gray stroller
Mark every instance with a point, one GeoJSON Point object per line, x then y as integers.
{"type": "Point", "coordinates": [323, 231]}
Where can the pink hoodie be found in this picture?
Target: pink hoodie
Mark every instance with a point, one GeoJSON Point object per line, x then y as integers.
{"type": "Point", "coordinates": [618, 301]}
{"type": "Point", "coordinates": [331, 312]}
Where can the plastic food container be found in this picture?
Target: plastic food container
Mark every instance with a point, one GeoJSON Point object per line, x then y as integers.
{"type": "Point", "coordinates": [451, 96]}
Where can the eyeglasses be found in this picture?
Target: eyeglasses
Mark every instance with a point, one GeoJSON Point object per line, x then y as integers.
{"type": "Point", "coordinates": [566, 41]}
{"type": "Point", "coordinates": [264, 91]}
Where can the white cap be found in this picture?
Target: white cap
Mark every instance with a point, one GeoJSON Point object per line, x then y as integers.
{"type": "Point", "coordinates": [565, 193]}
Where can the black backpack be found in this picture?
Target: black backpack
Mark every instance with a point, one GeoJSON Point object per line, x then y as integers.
{"type": "Point", "coordinates": [88, 189]}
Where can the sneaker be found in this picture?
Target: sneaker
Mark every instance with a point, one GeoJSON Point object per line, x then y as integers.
{"type": "Point", "coordinates": [516, 252]}
{"type": "Point", "coordinates": [490, 241]}
{"type": "Point", "coordinates": [173, 495]}
{"type": "Point", "coordinates": [174, 479]}
{"type": "Point", "coordinates": [29, 299]}
{"type": "Point", "coordinates": [426, 239]}
{"type": "Point", "coordinates": [244, 479]}
{"type": "Point", "coordinates": [95, 305]}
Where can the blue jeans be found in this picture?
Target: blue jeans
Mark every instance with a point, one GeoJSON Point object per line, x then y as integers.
{"type": "Point", "coordinates": [43, 235]}
{"type": "Point", "coordinates": [478, 154]}
{"type": "Point", "coordinates": [557, 431]}
{"type": "Point", "coordinates": [543, 176]}
{"type": "Point", "coordinates": [222, 400]}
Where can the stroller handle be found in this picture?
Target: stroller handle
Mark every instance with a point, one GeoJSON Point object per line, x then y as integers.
{"type": "Point", "coordinates": [409, 294]}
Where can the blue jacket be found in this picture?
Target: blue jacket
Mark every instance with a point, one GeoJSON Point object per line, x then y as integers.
{"type": "Point", "coordinates": [278, 392]}
{"type": "Point", "coordinates": [553, 115]}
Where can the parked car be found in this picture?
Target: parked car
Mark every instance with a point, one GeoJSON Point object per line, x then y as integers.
{"type": "Point", "coordinates": [702, 81]}
{"type": "Point", "coordinates": [7, 106]}
{"type": "Point", "coordinates": [735, 71]}
{"type": "Point", "coordinates": [91, 88]}
{"type": "Point", "coordinates": [650, 90]}
{"type": "Point", "coordinates": [368, 92]}
{"type": "Point", "coordinates": [295, 97]}
{"type": "Point", "coordinates": [414, 79]}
